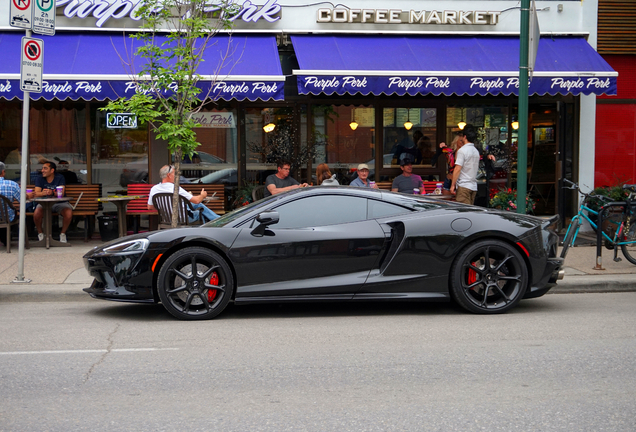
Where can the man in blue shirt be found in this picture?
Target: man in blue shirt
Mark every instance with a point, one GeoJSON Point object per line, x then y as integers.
{"type": "Point", "coordinates": [10, 190]}
{"type": "Point", "coordinates": [363, 178]}
{"type": "Point", "coordinates": [45, 187]}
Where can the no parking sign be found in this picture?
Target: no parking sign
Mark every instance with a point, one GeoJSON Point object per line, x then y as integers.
{"type": "Point", "coordinates": [20, 15]}
{"type": "Point", "coordinates": [31, 65]}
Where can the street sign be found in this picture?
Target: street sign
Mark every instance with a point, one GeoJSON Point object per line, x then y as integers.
{"type": "Point", "coordinates": [31, 65]}
{"type": "Point", "coordinates": [20, 14]}
{"type": "Point", "coordinates": [44, 17]}
{"type": "Point", "coordinates": [121, 121]}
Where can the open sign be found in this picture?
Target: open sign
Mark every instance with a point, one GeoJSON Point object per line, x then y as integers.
{"type": "Point", "coordinates": [121, 121]}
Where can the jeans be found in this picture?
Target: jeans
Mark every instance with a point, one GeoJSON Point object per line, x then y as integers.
{"type": "Point", "coordinates": [206, 213]}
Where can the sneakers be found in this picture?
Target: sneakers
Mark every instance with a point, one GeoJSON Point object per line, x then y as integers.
{"type": "Point", "coordinates": [62, 238]}
{"type": "Point", "coordinates": [40, 236]}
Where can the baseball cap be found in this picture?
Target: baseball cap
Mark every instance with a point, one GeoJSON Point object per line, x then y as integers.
{"type": "Point", "coordinates": [406, 161]}
{"type": "Point", "coordinates": [363, 166]}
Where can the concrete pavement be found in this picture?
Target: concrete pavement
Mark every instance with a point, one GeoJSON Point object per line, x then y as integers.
{"type": "Point", "coordinates": [58, 273]}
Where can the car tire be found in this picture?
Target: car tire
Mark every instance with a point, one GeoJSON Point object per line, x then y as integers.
{"type": "Point", "coordinates": [199, 295]}
{"type": "Point", "coordinates": [493, 288]}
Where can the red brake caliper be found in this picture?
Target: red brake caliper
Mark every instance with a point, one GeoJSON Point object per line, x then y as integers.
{"type": "Point", "coordinates": [472, 275]}
{"type": "Point", "coordinates": [214, 280]}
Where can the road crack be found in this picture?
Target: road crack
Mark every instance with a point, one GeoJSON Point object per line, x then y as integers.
{"type": "Point", "coordinates": [109, 348]}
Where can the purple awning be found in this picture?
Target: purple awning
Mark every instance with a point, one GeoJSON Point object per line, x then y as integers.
{"type": "Point", "coordinates": [101, 66]}
{"type": "Point", "coordinates": [472, 65]}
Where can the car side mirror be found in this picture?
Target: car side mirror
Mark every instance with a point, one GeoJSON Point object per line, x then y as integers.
{"type": "Point", "coordinates": [264, 220]}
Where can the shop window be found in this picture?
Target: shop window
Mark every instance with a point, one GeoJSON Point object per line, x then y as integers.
{"type": "Point", "coordinates": [215, 160]}
{"type": "Point", "coordinates": [344, 136]}
{"type": "Point", "coordinates": [57, 133]}
{"type": "Point", "coordinates": [270, 135]}
{"type": "Point", "coordinates": [410, 133]}
{"type": "Point", "coordinates": [120, 154]}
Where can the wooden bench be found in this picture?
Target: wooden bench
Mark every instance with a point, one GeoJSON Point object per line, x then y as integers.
{"type": "Point", "coordinates": [84, 199]}
{"type": "Point", "coordinates": [216, 205]}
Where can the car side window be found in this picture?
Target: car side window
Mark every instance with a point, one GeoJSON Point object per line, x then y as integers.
{"type": "Point", "coordinates": [321, 211]}
{"type": "Point", "coordinates": [380, 209]}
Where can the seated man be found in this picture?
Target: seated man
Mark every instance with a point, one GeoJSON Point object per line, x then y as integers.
{"type": "Point", "coordinates": [281, 181]}
{"type": "Point", "coordinates": [45, 187]}
{"type": "Point", "coordinates": [167, 186]}
{"type": "Point", "coordinates": [10, 190]}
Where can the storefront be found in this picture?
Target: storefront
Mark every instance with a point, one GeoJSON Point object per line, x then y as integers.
{"type": "Point", "coordinates": [340, 85]}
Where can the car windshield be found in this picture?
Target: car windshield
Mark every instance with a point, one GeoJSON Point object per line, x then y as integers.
{"type": "Point", "coordinates": [239, 212]}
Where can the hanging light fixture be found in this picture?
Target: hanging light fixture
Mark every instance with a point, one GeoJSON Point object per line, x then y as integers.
{"type": "Point", "coordinates": [353, 125]}
{"type": "Point", "coordinates": [408, 125]}
{"type": "Point", "coordinates": [515, 123]}
{"type": "Point", "coordinates": [269, 127]}
{"type": "Point", "coordinates": [462, 124]}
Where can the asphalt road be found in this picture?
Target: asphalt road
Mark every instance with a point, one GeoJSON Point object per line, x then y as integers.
{"type": "Point", "coordinates": [561, 362]}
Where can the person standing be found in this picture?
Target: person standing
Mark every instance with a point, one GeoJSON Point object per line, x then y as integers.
{"type": "Point", "coordinates": [363, 178]}
{"type": "Point", "coordinates": [45, 187]}
{"type": "Point", "coordinates": [464, 183]}
{"type": "Point", "coordinates": [167, 186]}
{"type": "Point", "coordinates": [281, 181]}
{"type": "Point", "coordinates": [407, 182]}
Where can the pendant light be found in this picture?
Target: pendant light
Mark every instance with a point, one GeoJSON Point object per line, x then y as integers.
{"type": "Point", "coordinates": [353, 125]}
{"type": "Point", "coordinates": [269, 127]}
{"type": "Point", "coordinates": [408, 125]}
{"type": "Point", "coordinates": [462, 124]}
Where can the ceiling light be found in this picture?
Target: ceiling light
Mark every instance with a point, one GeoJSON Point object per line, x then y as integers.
{"type": "Point", "coordinates": [269, 127]}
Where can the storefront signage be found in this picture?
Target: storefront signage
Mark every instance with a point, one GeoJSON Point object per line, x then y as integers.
{"type": "Point", "coordinates": [449, 85]}
{"type": "Point", "coordinates": [113, 89]}
{"type": "Point", "coordinates": [397, 16]}
{"type": "Point", "coordinates": [121, 121]}
{"type": "Point", "coordinates": [103, 10]}
{"type": "Point", "coordinates": [216, 120]}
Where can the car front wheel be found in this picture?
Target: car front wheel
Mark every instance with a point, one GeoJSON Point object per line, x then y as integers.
{"type": "Point", "coordinates": [489, 277]}
{"type": "Point", "coordinates": [195, 283]}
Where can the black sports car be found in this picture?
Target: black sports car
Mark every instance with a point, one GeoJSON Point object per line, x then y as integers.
{"type": "Point", "coordinates": [334, 243]}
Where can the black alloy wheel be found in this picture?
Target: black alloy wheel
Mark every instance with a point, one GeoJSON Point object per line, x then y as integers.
{"type": "Point", "coordinates": [489, 277]}
{"type": "Point", "coordinates": [195, 283]}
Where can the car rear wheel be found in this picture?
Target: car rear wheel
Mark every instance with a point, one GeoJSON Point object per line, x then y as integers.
{"type": "Point", "coordinates": [195, 284]}
{"type": "Point", "coordinates": [489, 277]}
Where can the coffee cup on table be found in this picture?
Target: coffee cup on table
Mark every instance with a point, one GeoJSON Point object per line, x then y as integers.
{"type": "Point", "coordinates": [60, 191]}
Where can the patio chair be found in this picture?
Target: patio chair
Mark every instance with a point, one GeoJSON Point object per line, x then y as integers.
{"type": "Point", "coordinates": [5, 205]}
{"type": "Point", "coordinates": [258, 192]}
{"type": "Point", "coordinates": [163, 203]}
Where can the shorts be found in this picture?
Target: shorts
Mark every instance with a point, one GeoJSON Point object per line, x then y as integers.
{"type": "Point", "coordinates": [465, 195]}
{"type": "Point", "coordinates": [447, 184]}
{"type": "Point", "coordinates": [58, 207]}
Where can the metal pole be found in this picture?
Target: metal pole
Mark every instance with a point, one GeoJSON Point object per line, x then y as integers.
{"type": "Point", "coordinates": [522, 139]}
{"type": "Point", "coordinates": [24, 163]}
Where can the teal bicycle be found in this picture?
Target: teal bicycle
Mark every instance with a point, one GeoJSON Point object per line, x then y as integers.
{"type": "Point", "coordinates": [622, 225]}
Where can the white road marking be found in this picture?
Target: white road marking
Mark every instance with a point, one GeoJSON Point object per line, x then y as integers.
{"type": "Point", "coordinates": [86, 351]}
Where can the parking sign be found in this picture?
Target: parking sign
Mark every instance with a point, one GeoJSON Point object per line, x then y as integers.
{"type": "Point", "coordinates": [20, 14]}
{"type": "Point", "coordinates": [31, 65]}
{"type": "Point", "coordinates": [44, 17]}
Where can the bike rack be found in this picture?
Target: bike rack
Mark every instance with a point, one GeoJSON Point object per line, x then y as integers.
{"type": "Point", "coordinates": [599, 232]}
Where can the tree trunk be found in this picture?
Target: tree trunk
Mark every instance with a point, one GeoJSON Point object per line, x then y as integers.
{"type": "Point", "coordinates": [175, 194]}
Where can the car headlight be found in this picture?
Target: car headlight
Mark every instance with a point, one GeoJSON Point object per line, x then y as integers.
{"type": "Point", "coordinates": [132, 246]}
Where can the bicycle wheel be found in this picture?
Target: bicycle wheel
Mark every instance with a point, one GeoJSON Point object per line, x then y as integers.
{"type": "Point", "coordinates": [629, 235]}
{"type": "Point", "coordinates": [570, 236]}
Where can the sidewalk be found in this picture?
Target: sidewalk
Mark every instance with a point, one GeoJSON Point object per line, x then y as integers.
{"type": "Point", "coordinates": [59, 273]}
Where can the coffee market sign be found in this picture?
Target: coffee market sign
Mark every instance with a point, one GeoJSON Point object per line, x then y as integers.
{"type": "Point", "coordinates": [397, 16]}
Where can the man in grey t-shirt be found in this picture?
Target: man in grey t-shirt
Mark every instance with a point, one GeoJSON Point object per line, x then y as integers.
{"type": "Point", "coordinates": [281, 181]}
{"type": "Point", "coordinates": [407, 181]}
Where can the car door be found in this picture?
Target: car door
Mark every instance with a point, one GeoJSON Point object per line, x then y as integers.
{"type": "Point", "coordinates": [322, 246]}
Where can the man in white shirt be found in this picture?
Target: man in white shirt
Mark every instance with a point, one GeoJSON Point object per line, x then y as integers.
{"type": "Point", "coordinates": [466, 167]}
{"type": "Point", "coordinates": [167, 186]}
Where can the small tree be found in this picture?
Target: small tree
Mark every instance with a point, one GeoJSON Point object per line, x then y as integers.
{"type": "Point", "coordinates": [167, 94]}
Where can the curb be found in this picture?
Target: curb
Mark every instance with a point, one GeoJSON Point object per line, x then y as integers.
{"type": "Point", "coordinates": [44, 293]}
{"type": "Point", "coordinates": [595, 284]}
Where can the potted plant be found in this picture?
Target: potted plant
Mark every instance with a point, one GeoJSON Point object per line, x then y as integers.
{"type": "Point", "coordinates": [506, 199]}
{"type": "Point", "coordinates": [243, 195]}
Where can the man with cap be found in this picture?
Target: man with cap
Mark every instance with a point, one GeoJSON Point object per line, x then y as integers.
{"type": "Point", "coordinates": [363, 176]}
{"type": "Point", "coordinates": [407, 181]}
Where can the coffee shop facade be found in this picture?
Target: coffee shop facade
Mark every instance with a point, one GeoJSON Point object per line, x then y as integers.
{"type": "Point", "coordinates": [323, 83]}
